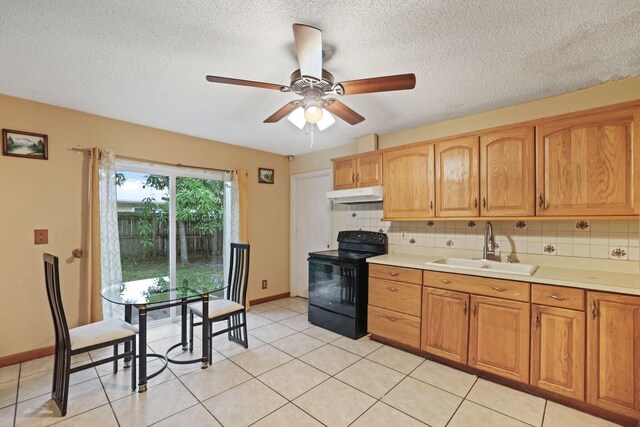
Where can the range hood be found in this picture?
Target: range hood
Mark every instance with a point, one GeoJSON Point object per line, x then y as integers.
{"type": "Point", "coordinates": [356, 195]}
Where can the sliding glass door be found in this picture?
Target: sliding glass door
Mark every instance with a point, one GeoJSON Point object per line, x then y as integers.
{"type": "Point", "coordinates": [171, 226]}
{"type": "Point", "coordinates": [199, 224]}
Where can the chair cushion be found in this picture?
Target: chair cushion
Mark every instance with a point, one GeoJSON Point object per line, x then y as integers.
{"type": "Point", "coordinates": [217, 307]}
{"type": "Point", "coordinates": [100, 332]}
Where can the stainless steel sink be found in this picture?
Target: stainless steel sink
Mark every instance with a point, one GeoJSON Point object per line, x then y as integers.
{"type": "Point", "coordinates": [485, 265]}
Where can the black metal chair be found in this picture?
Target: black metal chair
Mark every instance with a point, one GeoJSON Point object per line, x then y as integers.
{"type": "Point", "coordinates": [232, 308]}
{"type": "Point", "coordinates": [82, 339]}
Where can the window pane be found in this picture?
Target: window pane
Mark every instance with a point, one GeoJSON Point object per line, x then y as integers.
{"type": "Point", "coordinates": [199, 217]}
{"type": "Point", "coordinates": [143, 213]}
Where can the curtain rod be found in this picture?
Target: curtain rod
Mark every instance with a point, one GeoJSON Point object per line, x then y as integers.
{"type": "Point", "coordinates": [136, 159]}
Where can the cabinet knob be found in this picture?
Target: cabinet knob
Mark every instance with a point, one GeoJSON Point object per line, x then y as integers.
{"type": "Point", "coordinates": [475, 202]}
{"type": "Point", "coordinates": [392, 319]}
{"type": "Point", "coordinates": [498, 289]}
{"type": "Point", "coordinates": [445, 281]}
{"type": "Point", "coordinates": [393, 274]}
{"type": "Point", "coordinates": [484, 203]}
{"type": "Point", "coordinates": [594, 308]}
{"type": "Point", "coordinates": [540, 201]}
{"type": "Point", "coordinates": [474, 309]}
{"type": "Point", "coordinates": [464, 308]}
{"type": "Point", "coordinates": [392, 289]}
{"type": "Point", "coordinates": [537, 324]}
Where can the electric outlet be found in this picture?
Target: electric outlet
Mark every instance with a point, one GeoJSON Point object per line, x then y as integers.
{"type": "Point", "coordinates": [40, 237]}
{"type": "Point", "coordinates": [264, 284]}
{"type": "Point", "coordinates": [403, 235]}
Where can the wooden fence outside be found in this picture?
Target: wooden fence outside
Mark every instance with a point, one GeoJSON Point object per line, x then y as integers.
{"type": "Point", "coordinates": [131, 238]}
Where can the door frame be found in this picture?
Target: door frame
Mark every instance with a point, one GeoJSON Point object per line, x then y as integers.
{"type": "Point", "coordinates": [173, 172]}
{"type": "Point", "coordinates": [293, 291]}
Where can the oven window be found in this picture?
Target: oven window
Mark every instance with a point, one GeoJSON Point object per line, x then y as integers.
{"type": "Point", "coordinates": [333, 287]}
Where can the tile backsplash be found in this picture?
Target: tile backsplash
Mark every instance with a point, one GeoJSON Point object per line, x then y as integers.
{"type": "Point", "coordinates": [616, 240]}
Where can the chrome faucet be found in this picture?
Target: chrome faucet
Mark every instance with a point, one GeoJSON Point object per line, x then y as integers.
{"type": "Point", "coordinates": [489, 247]}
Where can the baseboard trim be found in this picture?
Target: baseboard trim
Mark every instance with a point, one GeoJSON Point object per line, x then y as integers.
{"type": "Point", "coordinates": [268, 299]}
{"type": "Point", "coordinates": [26, 356]}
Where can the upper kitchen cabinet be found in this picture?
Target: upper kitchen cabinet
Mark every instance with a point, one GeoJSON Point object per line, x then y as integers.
{"type": "Point", "coordinates": [344, 174]}
{"type": "Point", "coordinates": [457, 178]}
{"type": "Point", "coordinates": [358, 171]}
{"type": "Point", "coordinates": [507, 173]}
{"type": "Point", "coordinates": [585, 165]}
{"type": "Point", "coordinates": [408, 182]}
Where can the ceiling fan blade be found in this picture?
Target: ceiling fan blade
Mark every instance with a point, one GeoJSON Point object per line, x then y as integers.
{"type": "Point", "coordinates": [283, 112]}
{"type": "Point", "coordinates": [309, 48]}
{"type": "Point", "coordinates": [344, 112]}
{"type": "Point", "coordinates": [379, 84]}
{"type": "Point", "coordinates": [230, 81]}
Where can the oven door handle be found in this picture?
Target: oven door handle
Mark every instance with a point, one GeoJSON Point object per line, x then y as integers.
{"type": "Point", "coordinates": [335, 263]}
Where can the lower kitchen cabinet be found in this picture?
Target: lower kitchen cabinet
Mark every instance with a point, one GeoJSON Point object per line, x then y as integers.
{"type": "Point", "coordinates": [548, 336]}
{"type": "Point", "coordinates": [395, 305]}
{"type": "Point", "coordinates": [613, 352]}
{"type": "Point", "coordinates": [558, 350]}
{"type": "Point", "coordinates": [396, 296]}
{"type": "Point", "coordinates": [499, 337]}
{"type": "Point", "coordinates": [445, 329]}
{"type": "Point", "coordinates": [399, 327]}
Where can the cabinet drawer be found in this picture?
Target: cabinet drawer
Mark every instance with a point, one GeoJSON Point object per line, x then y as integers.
{"type": "Point", "coordinates": [498, 288]}
{"type": "Point", "coordinates": [400, 274]}
{"type": "Point", "coordinates": [558, 296]}
{"type": "Point", "coordinates": [395, 326]}
{"type": "Point", "coordinates": [402, 297]}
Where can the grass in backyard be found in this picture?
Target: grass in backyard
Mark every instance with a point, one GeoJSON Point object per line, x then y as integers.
{"type": "Point", "coordinates": [199, 269]}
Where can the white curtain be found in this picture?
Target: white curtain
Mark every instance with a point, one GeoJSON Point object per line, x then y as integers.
{"type": "Point", "coordinates": [231, 218]}
{"type": "Point", "coordinates": [111, 270]}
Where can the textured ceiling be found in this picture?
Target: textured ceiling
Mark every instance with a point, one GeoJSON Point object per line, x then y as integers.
{"type": "Point", "coordinates": [145, 61]}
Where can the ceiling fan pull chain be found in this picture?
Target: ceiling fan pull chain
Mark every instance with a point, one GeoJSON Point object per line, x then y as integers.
{"type": "Point", "coordinates": [311, 126]}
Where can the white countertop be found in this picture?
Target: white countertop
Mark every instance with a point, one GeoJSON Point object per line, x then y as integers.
{"type": "Point", "coordinates": [607, 281]}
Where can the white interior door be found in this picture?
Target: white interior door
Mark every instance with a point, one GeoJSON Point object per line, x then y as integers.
{"type": "Point", "coordinates": [311, 224]}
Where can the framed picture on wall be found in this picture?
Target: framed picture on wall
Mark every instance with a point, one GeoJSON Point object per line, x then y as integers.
{"type": "Point", "coordinates": [265, 176]}
{"type": "Point", "coordinates": [24, 144]}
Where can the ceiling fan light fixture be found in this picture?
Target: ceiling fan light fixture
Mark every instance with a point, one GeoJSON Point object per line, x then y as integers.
{"type": "Point", "coordinates": [313, 114]}
{"type": "Point", "coordinates": [326, 121]}
{"type": "Point", "coordinates": [297, 118]}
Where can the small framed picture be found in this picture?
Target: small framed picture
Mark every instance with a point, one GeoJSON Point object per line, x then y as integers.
{"type": "Point", "coordinates": [265, 176]}
{"type": "Point", "coordinates": [24, 144]}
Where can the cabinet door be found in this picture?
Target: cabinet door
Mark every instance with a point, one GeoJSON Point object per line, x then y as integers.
{"type": "Point", "coordinates": [499, 337]}
{"type": "Point", "coordinates": [344, 174]}
{"type": "Point", "coordinates": [457, 178]}
{"type": "Point", "coordinates": [445, 324]}
{"type": "Point", "coordinates": [613, 352]}
{"type": "Point", "coordinates": [585, 165]}
{"type": "Point", "coordinates": [369, 170]}
{"type": "Point", "coordinates": [408, 182]}
{"type": "Point", "coordinates": [557, 350]}
{"type": "Point", "coordinates": [507, 173]}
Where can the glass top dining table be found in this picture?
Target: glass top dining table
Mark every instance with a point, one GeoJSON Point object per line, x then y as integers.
{"type": "Point", "coordinates": [156, 294]}
{"type": "Point", "coordinates": [158, 291]}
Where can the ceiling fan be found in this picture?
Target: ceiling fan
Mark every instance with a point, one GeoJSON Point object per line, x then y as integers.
{"type": "Point", "coordinates": [315, 84]}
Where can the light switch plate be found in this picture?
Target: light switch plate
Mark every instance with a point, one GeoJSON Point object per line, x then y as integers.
{"type": "Point", "coordinates": [40, 237]}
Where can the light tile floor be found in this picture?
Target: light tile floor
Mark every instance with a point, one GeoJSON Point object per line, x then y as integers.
{"type": "Point", "coordinates": [293, 374]}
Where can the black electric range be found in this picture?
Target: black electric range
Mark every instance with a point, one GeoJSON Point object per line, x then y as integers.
{"type": "Point", "coordinates": [338, 282]}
